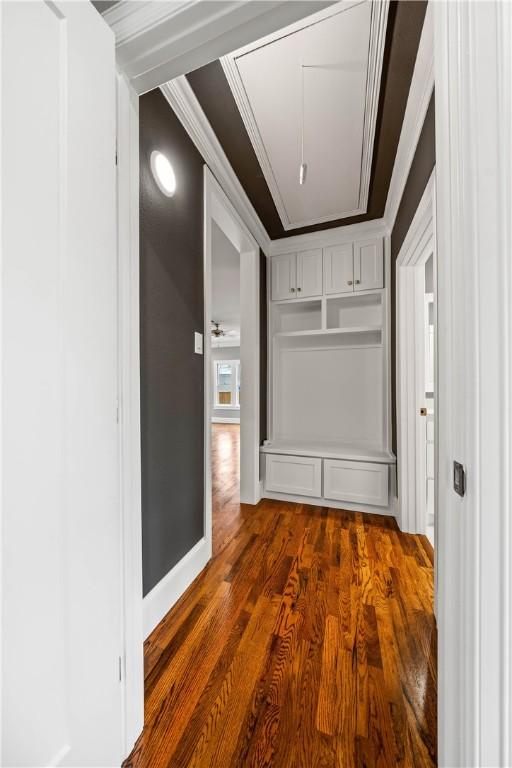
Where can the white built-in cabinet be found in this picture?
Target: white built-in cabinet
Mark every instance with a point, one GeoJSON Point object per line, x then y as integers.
{"type": "Point", "coordinates": [339, 268]}
{"type": "Point", "coordinates": [284, 276]}
{"type": "Point", "coordinates": [368, 265]}
{"type": "Point", "coordinates": [329, 431]}
{"type": "Point", "coordinates": [353, 267]}
{"type": "Point", "coordinates": [297, 275]}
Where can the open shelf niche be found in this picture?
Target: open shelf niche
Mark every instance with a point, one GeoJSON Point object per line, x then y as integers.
{"type": "Point", "coordinates": [354, 311]}
{"type": "Point", "coordinates": [294, 317]}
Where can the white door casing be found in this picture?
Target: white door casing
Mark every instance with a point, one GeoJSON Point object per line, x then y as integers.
{"type": "Point", "coordinates": [129, 410]}
{"type": "Point", "coordinates": [473, 60]}
{"type": "Point", "coordinates": [61, 566]}
{"type": "Point", "coordinates": [219, 209]}
{"type": "Point", "coordinates": [417, 247]}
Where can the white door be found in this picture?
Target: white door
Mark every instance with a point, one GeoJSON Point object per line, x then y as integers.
{"type": "Point", "coordinates": [368, 265]}
{"type": "Point", "coordinates": [60, 505]}
{"type": "Point", "coordinates": [338, 268]}
{"type": "Point", "coordinates": [309, 273]}
{"type": "Point", "coordinates": [284, 276]}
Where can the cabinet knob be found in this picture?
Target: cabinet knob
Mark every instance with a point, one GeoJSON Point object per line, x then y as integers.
{"type": "Point", "coordinates": [349, 282]}
{"type": "Point", "coordinates": [299, 289]}
{"type": "Point", "coordinates": [357, 282]}
{"type": "Point", "coordinates": [292, 290]}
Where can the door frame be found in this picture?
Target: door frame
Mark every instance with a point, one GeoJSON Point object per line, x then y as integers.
{"type": "Point", "coordinates": [417, 247]}
{"type": "Point", "coordinates": [473, 66]}
{"type": "Point", "coordinates": [218, 209]}
{"type": "Point", "coordinates": [128, 406]}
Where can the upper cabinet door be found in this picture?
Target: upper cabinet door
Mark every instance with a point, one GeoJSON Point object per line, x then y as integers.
{"type": "Point", "coordinates": [284, 276]}
{"type": "Point", "coordinates": [368, 265]}
{"type": "Point", "coordinates": [338, 268]}
{"type": "Point", "coordinates": [309, 273]}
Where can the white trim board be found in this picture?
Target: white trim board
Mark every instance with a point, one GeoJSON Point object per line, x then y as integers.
{"type": "Point", "coordinates": [332, 503]}
{"type": "Point", "coordinates": [418, 245]}
{"type": "Point", "coordinates": [158, 602]}
{"type": "Point", "coordinates": [157, 41]}
{"type": "Point", "coordinates": [379, 15]}
{"type": "Point", "coordinates": [218, 208]}
{"type": "Point", "coordinates": [183, 101]}
{"type": "Point", "coordinates": [420, 91]}
{"type": "Point", "coordinates": [473, 60]}
{"type": "Point", "coordinates": [129, 409]}
{"type": "Point", "coordinates": [326, 237]}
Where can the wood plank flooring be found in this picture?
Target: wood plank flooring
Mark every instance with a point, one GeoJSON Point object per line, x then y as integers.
{"type": "Point", "coordinates": [309, 641]}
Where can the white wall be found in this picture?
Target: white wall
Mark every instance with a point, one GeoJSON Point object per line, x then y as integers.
{"type": "Point", "coordinates": [224, 353]}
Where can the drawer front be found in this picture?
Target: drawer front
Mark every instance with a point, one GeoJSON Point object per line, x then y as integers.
{"type": "Point", "coordinates": [356, 481]}
{"type": "Point", "coordinates": [293, 474]}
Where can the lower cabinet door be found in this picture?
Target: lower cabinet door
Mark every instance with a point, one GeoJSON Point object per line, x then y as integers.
{"type": "Point", "coordinates": [296, 475]}
{"type": "Point", "coordinates": [356, 481]}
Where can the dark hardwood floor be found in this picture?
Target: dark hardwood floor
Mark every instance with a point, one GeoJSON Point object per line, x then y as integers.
{"type": "Point", "coordinates": [308, 641]}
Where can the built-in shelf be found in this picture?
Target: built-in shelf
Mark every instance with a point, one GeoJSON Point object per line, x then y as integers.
{"type": "Point", "coordinates": [329, 450]}
{"type": "Point", "coordinates": [332, 338]}
{"type": "Point", "coordinates": [332, 331]}
{"type": "Point", "coordinates": [298, 317]}
{"type": "Point", "coordinates": [353, 311]}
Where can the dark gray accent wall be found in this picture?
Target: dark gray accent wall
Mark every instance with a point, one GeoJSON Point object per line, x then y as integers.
{"type": "Point", "coordinates": [171, 309]}
{"type": "Point", "coordinates": [419, 174]}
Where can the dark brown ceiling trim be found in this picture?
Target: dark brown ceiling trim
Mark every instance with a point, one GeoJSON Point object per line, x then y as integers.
{"type": "Point", "coordinates": [405, 22]}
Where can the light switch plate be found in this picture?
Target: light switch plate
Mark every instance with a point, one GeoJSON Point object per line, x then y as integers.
{"type": "Point", "coordinates": [198, 343]}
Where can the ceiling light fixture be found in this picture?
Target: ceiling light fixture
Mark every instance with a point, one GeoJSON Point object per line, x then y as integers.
{"type": "Point", "coordinates": [163, 173]}
{"type": "Point", "coordinates": [303, 166]}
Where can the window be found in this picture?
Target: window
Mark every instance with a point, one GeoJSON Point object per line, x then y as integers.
{"type": "Point", "coordinates": [226, 384]}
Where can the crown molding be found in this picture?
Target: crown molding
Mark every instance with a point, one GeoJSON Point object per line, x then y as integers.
{"type": "Point", "coordinates": [422, 86]}
{"type": "Point", "coordinates": [158, 40]}
{"type": "Point", "coordinates": [379, 15]}
{"type": "Point", "coordinates": [325, 237]}
{"type": "Point", "coordinates": [133, 18]}
{"type": "Point", "coordinates": [183, 101]}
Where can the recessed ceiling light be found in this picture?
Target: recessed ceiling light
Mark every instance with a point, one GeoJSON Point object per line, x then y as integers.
{"type": "Point", "coordinates": [163, 173]}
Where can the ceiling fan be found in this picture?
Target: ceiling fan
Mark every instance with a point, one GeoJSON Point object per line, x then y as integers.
{"type": "Point", "coordinates": [217, 331]}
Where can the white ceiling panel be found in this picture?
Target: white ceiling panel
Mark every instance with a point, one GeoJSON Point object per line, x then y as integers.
{"type": "Point", "coordinates": [327, 68]}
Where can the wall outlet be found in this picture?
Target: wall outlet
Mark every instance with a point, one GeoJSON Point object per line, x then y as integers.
{"type": "Point", "coordinates": [198, 343]}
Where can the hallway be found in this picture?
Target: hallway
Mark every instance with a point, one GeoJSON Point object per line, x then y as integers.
{"type": "Point", "coordinates": [309, 640]}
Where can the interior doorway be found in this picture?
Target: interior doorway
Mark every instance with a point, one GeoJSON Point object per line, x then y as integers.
{"type": "Point", "coordinates": [416, 371]}
{"type": "Point", "coordinates": [226, 394]}
{"type": "Point", "coordinates": [232, 351]}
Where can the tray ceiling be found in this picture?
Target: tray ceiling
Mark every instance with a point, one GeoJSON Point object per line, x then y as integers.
{"type": "Point", "coordinates": [323, 73]}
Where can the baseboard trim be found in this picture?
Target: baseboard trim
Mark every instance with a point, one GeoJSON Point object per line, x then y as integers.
{"type": "Point", "coordinates": [167, 592]}
{"type": "Point", "coordinates": [332, 503]}
{"type": "Point", "coordinates": [225, 420]}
